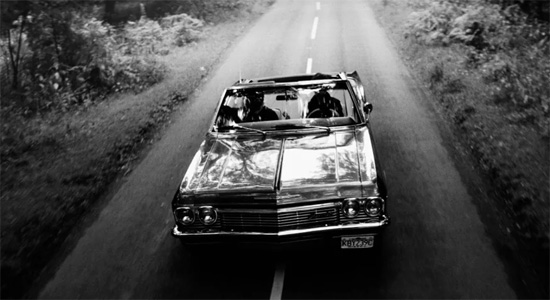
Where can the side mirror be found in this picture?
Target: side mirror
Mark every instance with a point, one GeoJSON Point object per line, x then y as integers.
{"type": "Point", "coordinates": [367, 108]}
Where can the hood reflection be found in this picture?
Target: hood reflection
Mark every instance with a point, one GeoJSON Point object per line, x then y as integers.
{"type": "Point", "coordinates": [227, 164]}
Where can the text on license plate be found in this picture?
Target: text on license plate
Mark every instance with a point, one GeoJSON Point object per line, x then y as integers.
{"type": "Point", "coordinates": [357, 242]}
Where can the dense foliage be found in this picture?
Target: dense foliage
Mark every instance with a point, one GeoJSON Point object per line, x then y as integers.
{"type": "Point", "coordinates": [58, 56]}
{"type": "Point", "coordinates": [487, 63]}
{"type": "Point", "coordinates": [539, 9]}
{"type": "Point", "coordinates": [510, 49]}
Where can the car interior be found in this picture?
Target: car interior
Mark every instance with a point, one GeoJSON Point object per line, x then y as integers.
{"type": "Point", "coordinates": [289, 103]}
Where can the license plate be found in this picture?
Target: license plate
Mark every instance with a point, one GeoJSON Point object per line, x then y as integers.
{"type": "Point", "coordinates": [357, 242]}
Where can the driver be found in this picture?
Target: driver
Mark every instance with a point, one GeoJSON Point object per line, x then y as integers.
{"type": "Point", "coordinates": [323, 105]}
{"type": "Point", "coordinates": [256, 110]}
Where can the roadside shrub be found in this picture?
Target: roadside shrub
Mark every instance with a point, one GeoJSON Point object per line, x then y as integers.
{"type": "Point", "coordinates": [210, 11]}
{"type": "Point", "coordinates": [141, 38]}
{"type": "Point", "coordinates": [436, 75]}
{"type": "Point", "coordinates": [453, 86]}
{"type": "Point", "coordinates": [432, 24]}
{"type": "Point", "coordinates": [509, 49]}
{"type": "Point", "coordinates": [135, 73]}
{"type": "Point", "coordinates": [448, 21]}
{"type": "Point", "coordinates": [148, 37]}
{"type": "Point", "coordinates": [182, 29]}
{"type": "Point", "coordinates": [57, 75]}
{"type": "Point", "coordinates": [213, 11]}
{"type": "Point", "coordinates": [519, 79]}
{"type": "Point", "coordinates": [70, 59]}
{"type": "Point", "coordinates": [477, 24]}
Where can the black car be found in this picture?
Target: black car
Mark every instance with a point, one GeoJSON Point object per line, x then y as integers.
{"type": "Point", "coordinates": [286, 160]}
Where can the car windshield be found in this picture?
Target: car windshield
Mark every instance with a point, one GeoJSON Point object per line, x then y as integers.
{"type": "Point", "coordinates": [287, 107]}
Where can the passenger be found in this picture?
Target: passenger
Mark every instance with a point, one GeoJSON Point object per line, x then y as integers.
{"type": "Point", "coordinates": [256, 109]}
{"type": "Point", "coordinates": [323, 105]}
{"type": "Point", "coordinates": [227, 116]}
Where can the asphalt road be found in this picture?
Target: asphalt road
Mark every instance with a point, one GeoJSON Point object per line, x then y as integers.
{"type": "Point", "coordinates": [436, 247]}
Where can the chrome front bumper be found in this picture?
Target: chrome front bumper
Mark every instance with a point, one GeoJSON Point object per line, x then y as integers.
{"type": "Point", "coordinates": [335, 230]}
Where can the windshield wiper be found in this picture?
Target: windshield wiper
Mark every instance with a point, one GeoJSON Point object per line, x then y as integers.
{"type": "Point", "coordinates": [234, 126]}
{"type": "Point", "coordinates": [301, 126]}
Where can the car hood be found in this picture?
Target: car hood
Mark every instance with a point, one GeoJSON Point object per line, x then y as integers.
{"type": "Point", "coordinates": [283, 169]}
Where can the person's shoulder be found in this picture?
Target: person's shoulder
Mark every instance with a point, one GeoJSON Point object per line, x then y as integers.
{"type": "Point", "coordinates": [270, 113]}
{"type": "Point", "coordinates": [270, 110]}
{"type": "Point", "coordinates": [335, 100]}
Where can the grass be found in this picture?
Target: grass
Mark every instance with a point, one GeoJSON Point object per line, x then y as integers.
{"type": "Point", "coordinates": [510, 144]}
{"type": "Point", "coordinates": [55, 166]}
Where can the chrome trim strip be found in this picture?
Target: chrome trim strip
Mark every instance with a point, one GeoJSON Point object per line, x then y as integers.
{"type": "Point", "coordinates": [335, 204]}
{"type": "Point", "coordinates": [333, 128]}
{"type": "Point", "coordinates": [358, 153]}
{"type": "Point", "coordinates": [225, 162]}
{"type": "Point", "coordinates": [336, 159]}
{"type": "Point", "coordinates": [383, 223]}
{"type": "Point", "coordinates": [278, 171]}
{"type": "Point", "coordinates": [357, 183]}
{"type": "Point", "coordinates": [284, 84]}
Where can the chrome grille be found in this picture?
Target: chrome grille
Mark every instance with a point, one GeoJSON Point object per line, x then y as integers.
{"type": "Point", "coordinates": [273, 221]}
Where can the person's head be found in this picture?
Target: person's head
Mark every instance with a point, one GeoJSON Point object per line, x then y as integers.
{"type": "Point", "coordinates": [254, 101]}
{"type": "Point", "coordinates": [323, 97]}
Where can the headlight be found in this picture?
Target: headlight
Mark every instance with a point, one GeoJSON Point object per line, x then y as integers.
{"type": "Point", "coordinates": [184, 215]}
{"type": "Point", "coordinates": [350, 207]}
{"type": "Point", "coordinates": [207, 215]}
{"type": "Point", "coordinates": [373, 206]}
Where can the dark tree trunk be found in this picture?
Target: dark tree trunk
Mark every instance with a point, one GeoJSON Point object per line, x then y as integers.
{"type": "Point", "coordinates": [109, 11]}
{"type": "Point", "coordinates": [15, 55]}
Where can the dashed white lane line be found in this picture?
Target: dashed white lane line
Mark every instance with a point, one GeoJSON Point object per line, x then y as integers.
{"type": "Point", "coordinates": [278, 280]}
{"type": "Point", "coordinates": [314, 29]}
{"type": "Point", "coordinates": [309, 64]}
{"type": "Point", "coordinates": [318, 4]}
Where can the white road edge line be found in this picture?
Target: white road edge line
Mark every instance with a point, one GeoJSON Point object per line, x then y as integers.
{"type": "Point", "coordinates": [309, 64]}
{"type": "Point", "coordinates": [278, 280]}
{"type": "Point", "coordinates": [318, 4]}
{"type": "Point", "coordinates": [314, 29]}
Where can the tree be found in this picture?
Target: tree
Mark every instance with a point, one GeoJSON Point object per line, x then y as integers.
{"type": "Point", "coordinates": [14, 19]}
{"type": "Point", "coordinates": [109, 11]}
